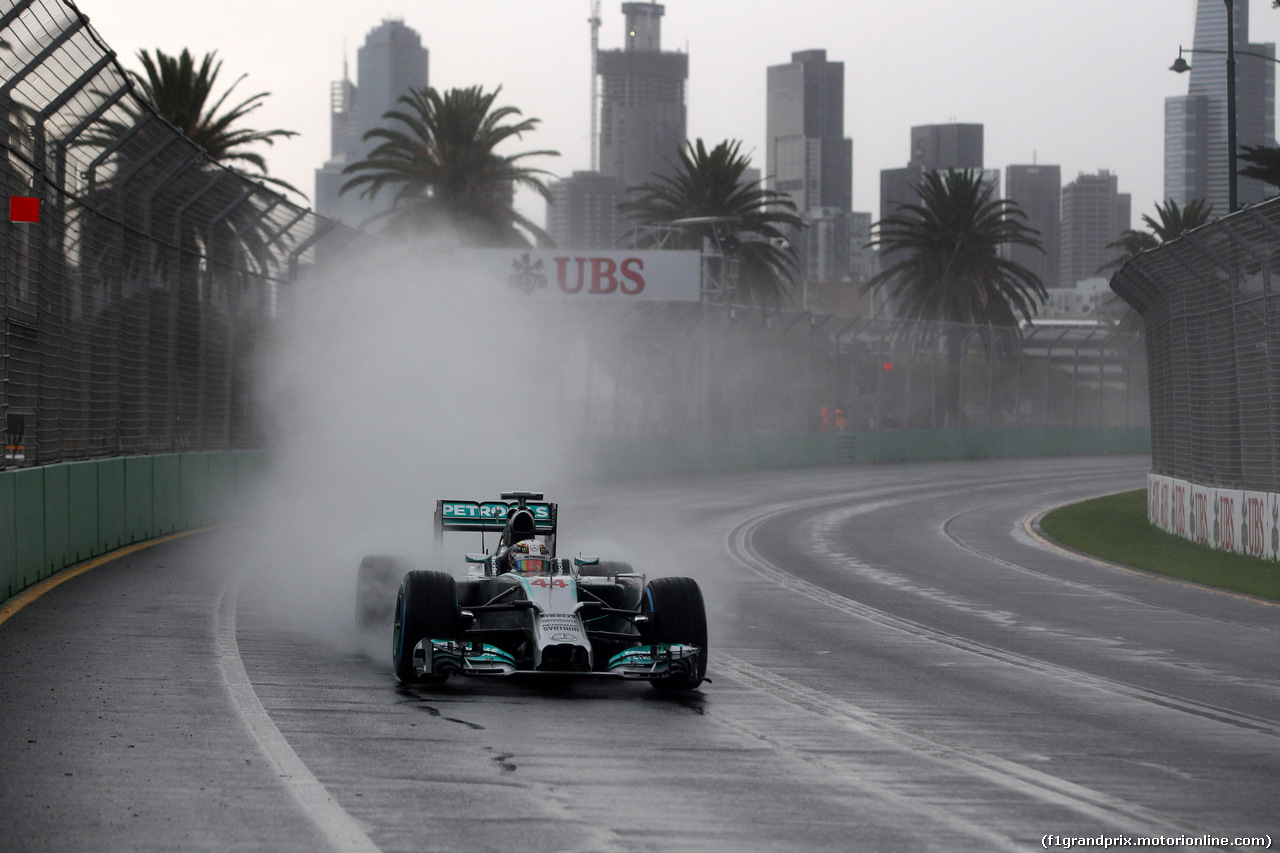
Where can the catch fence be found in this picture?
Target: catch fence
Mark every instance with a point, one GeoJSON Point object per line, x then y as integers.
{"type": "Point", "coordinates": [134, 304]}
{"type": "Point", "coordinates": [693, 368]}
{"type": "Point", "coordinates": [1209, 301]}
{"type": "Point", "coordinates": [133, 309]}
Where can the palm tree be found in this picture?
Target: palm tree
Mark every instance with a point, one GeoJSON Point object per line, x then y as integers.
{"type": "Point", "coordinates": [1264, 164]}
{"type": "Point", "coordinates": [747, 221]}
{"type": "Point", "coordinates": [181, 93]}
{"type": "Point", "coordinates": [169, 257]}
{"type": "Point", "coordinates": [945, 254]}
{"type": "Point", "coordinates": [945, 264]}
{"type": "Point", "coordinates": [445, 171]}
{"type": "Point", "coordinates": [1173, 222]}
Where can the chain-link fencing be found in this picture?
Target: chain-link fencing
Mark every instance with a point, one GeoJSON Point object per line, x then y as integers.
{"type": "Point", "coordinates": [134, 304]}
{"type": "Point", "coordinates": [695, 368]}
{"type": "Point", "coordinates": [1209, 303]}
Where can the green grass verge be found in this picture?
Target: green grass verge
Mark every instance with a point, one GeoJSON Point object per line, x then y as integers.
{"type": "Point", "coordinates": [1115, 528]}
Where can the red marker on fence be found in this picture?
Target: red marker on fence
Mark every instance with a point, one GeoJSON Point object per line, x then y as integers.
{"type": "Point", "coordinates": [23, 209]}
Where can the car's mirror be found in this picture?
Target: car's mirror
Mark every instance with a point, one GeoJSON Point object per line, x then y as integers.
{"type": "Point", "coordinates": [477, 558]}
{"type": "Point", "coordinates": [583, 560]}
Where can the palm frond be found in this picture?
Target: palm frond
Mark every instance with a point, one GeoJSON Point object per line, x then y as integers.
{"type": "Point", "coordinates": [943, 254]}
{"type": "Point", "coordinates": [437, 155]}
{"type": "Point", "coordinates": [749, 222]}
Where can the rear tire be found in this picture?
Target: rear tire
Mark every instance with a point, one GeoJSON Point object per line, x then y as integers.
{"type": "Point", "coordinates": [677, 614]}
{"type": "Point", "coordinates": [376, 585]}
{"type": "Point", "coordinates": [426, 609]}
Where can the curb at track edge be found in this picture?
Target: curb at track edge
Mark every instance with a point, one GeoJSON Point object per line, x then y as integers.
{"type": "Point", "coordinates": [1031, 526]}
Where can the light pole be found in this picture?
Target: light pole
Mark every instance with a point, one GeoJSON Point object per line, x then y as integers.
{"type": "Point", "coordinates": [1232, 200]}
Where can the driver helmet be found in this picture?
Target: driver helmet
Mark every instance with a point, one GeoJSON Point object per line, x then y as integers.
{"type": "Point", "coordinates": [528, 557]}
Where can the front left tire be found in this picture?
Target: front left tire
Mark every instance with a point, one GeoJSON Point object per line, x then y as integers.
{"type": "Point", "coordinates": [677, 615]}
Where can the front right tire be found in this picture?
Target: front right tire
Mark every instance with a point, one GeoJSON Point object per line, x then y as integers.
{"type": "Point", "coordinates": [426, 609]}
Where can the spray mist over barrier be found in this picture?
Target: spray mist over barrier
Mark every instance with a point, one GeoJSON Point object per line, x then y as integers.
{"type": "Point", "coordinates": [393, 380]}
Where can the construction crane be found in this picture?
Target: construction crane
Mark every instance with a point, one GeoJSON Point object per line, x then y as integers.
{"type": "Point", "coordinates": [594, 21]}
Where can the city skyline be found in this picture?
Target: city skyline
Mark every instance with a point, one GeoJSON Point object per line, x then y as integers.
{"type": "Point", "coordinates": [1098, 103]}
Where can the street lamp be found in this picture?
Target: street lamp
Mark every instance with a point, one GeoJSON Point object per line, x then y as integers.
{"type": "Point", "coordinates": [1180, 66]}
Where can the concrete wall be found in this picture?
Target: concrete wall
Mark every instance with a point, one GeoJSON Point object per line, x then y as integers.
{"type": "Point", "coordinates": [57, 515]}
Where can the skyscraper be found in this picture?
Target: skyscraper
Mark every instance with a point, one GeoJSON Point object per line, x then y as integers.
{"type": "Point", "coordinates": [808, 155]}
{"type": "Point", "coordinates": [937, 147]}
{"type": "Point", "coordinates": [583, 212]}
{"type": "Point", "coordinates": [1196, 123]}
{"type": "Point", "coordinates": [390, 63]}
{"type": "Point", "coordinates": [642, 108]}
{"type": "Point", "coordinates": [934, 147]}
{"type": "Point", "coordinates": [811, 160]}
{"type": "Point", "coordinates": [1037, 190]}
{"type": "Point", "coordinates": [1094, 213]}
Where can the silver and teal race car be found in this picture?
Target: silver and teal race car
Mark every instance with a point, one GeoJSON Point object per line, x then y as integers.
{"type": "Point", "coordinates": [549, 615]}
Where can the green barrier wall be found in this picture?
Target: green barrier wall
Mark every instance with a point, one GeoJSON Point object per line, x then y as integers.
{"type": "Point", "coordinates": [58, 515]}
{"type": "Point", "coordinates": [624, 457]}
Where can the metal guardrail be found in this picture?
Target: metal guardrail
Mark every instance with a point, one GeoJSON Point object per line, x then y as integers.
{"type": "Point", "coordinates": [133, 307]}
{"type": "Point", "coordinates": [1209, 302]}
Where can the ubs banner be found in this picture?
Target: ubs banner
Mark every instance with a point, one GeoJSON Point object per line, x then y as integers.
{"type": "Point", "coordinates": [590, 274]}
{"type": "Point", "coordinates": [1229, 519]}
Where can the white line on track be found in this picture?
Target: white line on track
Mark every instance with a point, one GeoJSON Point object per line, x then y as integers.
{"type": "Point", "coordinates": [739, 544]}
{"type": "Point", "coordinates": [1124, 816]}
{"type": "Point", "coordinates": [1097, 806]}
{"type": "Point", "coordinates": [338, 827]}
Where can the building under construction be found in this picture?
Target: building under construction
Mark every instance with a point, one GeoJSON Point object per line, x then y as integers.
{"type": "Point", "coordinates": [643, 101]}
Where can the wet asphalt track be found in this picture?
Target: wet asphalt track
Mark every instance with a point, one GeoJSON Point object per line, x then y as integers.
{"type": "Point", "coordinates": [896, 666]}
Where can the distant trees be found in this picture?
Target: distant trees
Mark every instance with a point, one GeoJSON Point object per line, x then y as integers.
{"type": "Point", "coordinates": [437, 155]}
{"type": "Point", "coordinates": [746, 220]}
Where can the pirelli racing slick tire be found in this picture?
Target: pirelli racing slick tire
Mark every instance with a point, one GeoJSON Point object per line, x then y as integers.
{"type": "Point", "coordinates": [426, 609]}
{"type": "Point", "coordinates": [377, 582]}
{"type": "Point", "coordinates": [676, 615]}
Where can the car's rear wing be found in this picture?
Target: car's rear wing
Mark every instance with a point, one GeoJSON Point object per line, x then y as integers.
{"type": "Point", "coordinates": [485, 516]}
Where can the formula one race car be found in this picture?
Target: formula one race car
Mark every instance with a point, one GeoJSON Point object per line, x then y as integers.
{"type": "Point", "coordinates": [525, 610]}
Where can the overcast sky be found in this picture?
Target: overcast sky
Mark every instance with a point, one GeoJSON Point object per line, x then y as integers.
{"type": "Point", "coordinates": [1077, 83]}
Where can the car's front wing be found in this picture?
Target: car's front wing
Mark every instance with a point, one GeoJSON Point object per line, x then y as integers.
{"type": "Point", "coordinates": [643, 663]}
